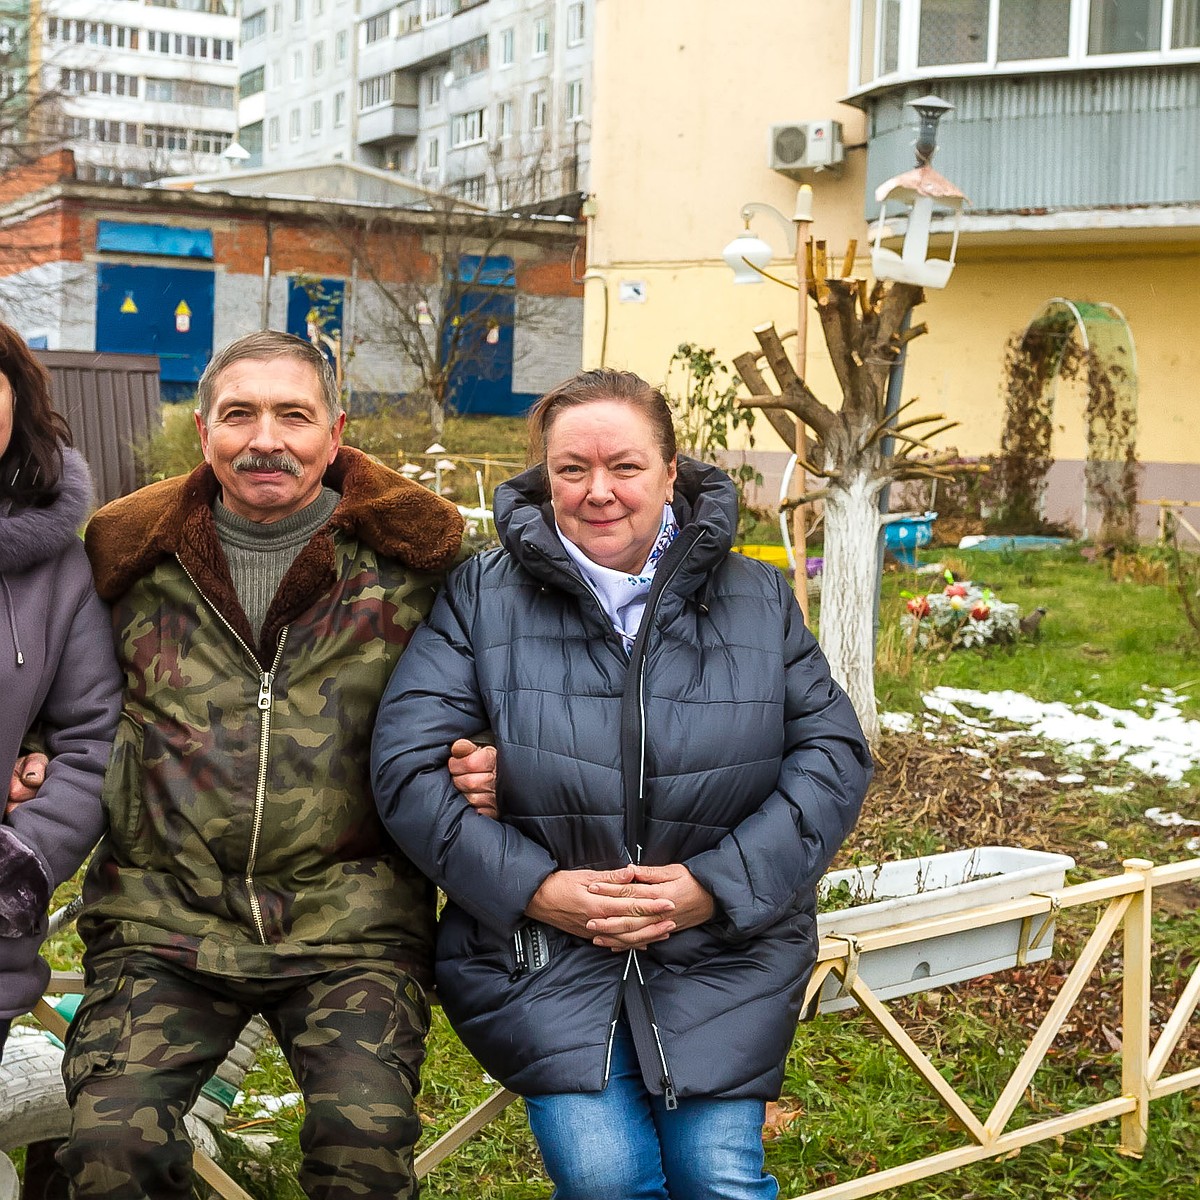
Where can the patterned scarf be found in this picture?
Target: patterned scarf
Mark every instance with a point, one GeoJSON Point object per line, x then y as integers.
{"type": "Point", "coordinates": [621, 595]}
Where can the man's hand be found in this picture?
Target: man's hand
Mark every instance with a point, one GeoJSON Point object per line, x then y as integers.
{"type": "Point", "coordinates": [28, 775]}
{"type": "Point", "coordinates": [473, 770]}
{"type": "Point", "coordinates": [690, 903]}
{"type": "Point", "coordinates": [580, 902]}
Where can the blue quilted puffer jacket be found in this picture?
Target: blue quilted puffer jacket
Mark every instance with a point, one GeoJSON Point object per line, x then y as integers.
{"type": "Point", "coordinates": [720, 742]}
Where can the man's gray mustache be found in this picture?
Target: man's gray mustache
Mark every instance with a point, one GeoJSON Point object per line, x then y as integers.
{"type": "Point", "coordinates": [268, 462]}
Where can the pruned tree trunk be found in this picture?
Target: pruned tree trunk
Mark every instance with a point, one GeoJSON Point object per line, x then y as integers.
{"type": "Point", "coordinates": [858, 449]}
{"type": "Point", "coordinates": [852, 523]}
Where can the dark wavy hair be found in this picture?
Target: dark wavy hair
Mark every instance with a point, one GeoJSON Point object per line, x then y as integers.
{"type": "Point", "coordinates": [601, 384]}
{"type": "Point", "coordinates": [31, 467]}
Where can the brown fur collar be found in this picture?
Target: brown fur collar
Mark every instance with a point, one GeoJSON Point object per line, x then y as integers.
{"type": "Point", "coordinates": [129, 537]}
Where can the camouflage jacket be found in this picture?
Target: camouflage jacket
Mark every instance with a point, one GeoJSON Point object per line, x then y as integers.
{"type": "Point", "coordinates": [243, 837]}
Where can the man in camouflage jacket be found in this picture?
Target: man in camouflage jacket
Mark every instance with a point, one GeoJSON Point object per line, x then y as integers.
{"type": "Point", "coordinates": [245, 869]}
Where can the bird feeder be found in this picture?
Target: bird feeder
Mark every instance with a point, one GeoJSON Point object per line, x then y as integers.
{"type": "Point", "coordinates": [921, 189]}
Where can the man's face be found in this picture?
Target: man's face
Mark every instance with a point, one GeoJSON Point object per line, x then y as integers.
{"type": "Point", "coordinates": [268, 437]}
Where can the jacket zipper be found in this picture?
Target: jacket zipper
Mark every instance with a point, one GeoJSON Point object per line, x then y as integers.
{"type": "Point", "coordinates": [266, 697]}
{"type": "Point", "coordinates": [266, 682]}
{"type": "Point", "coordinates": [632, 960]}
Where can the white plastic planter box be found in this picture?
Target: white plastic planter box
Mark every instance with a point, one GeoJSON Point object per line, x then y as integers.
{"type": "Point", "coordinates": [913, 889]}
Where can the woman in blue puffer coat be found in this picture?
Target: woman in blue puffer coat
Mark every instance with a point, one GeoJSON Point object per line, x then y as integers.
{"type": "Point", "coordinates": [628, 945]}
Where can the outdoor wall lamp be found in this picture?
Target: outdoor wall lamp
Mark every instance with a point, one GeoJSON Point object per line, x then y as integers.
{"type": "Point", "coordinates": [920, 188]}
{"type": "Point", "coordinates": [747, 255]}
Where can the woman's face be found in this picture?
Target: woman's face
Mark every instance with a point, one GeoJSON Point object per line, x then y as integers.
{"type": "Point", "coordinates": [6, 413]}
{"type": "Point", "coordinates": [608, 482]}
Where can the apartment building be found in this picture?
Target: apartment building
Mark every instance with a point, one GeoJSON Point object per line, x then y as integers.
{"type": "Point", "coordinates": [1075, 136]}
{"type": "Point", "coordinates": [296, 83]}
{"type": "Point", "coordinates": [488, 99]}
{"type": "Point", "coordinates": [139, 88]}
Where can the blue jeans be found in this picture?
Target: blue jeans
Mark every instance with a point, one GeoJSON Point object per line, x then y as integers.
{"type": "Point", "coordinates": [623, 1144]}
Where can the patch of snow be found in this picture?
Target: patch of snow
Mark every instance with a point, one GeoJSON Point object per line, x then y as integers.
{"type": "Point", "coordinates": [269, 1105]}
{"type": "Point", "coordinates": [1161, 743]}
{"type": "Point", "coordinates": [1071, 779]}
{"type": "Point", "coordinates": [897, 722]}
{"type": "Point", "coordinates": [1167, 819]}
{"type": "Point", "coordinates": [1024, 775]}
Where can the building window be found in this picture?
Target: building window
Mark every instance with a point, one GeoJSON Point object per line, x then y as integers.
{"type": "Point", "coordinates": [250, 138]}
{"type": "Point", "coordinates": [294, 125]}
{"type": "Point", "coordinates": [375, 29]}
{"type": "Point", "coordinates": [250, 83]}
{"type": "Point", "coordinates": [468, 128]}
{"type": "Point", "coordinates": [297, 65]}
{"type": "Point", "coordinates": [575, 100]}
{"type": "Point", "coordinates": [953, 31]}
{"type": "Point", "coordinates": [339, 110]}
{"type": "Point", "coordinates": [504, 119]}
{"type": "Point", "coordinates": [186, 91]}
{"type": "Point", "coordinates": [470, 58]}
{"type": "Point", "coordinates": [541, 37]}
{"type": "Point", "coordinates": [1033, 29]}
{"type": "Point", "coordinates": [318, 57]}
{"type": "Point", "coordinates": [297, 10]}
{"type": "Point", "coordinates": [318, 8]}
{"type": "Point", "coordinates": [508, 43]}
{"type": "Point", "coordinates": [1124, 26]}
{"type": "Point", "coordinates": [341, 46]}
{"type": "Point", "coordinates": [574, 24]}
{"type": "Point", "coordinates": [1185, 27]}
{"type": "Point", "coordinates": [433, 154]}
{"type": "Point", "coordinates": [375, 91]}
{"type": "Point", "coordinates": [434, 10]}
{"type": "Point", "coordinates": [104, 83]}
{"type": "Point", "coordinates": [314, 121]}
{"type": "Point", "coordinates": [274, 74]}
{"type": "Point", "coordinates": [276, 17]}
{"type": "Point", "coordinates": [272, 133]}
{"type": "Point", "coordinates": [473, 189]}
{"type": "Point", "coordinates": [254, 26]}
{"type": "Point", "coordinates": [433, 88]}
{"type": "Point", "coordinates": [537, 110]}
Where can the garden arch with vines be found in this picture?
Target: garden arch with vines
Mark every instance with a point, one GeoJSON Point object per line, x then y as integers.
{"type": "Point", "coordinates": [1093, 344]}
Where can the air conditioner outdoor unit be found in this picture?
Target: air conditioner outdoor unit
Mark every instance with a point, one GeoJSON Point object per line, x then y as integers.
{"type": "Point", "coordinates": [805, 146]}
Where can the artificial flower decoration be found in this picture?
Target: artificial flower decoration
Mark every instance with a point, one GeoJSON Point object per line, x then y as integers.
{"type": "Point", "coordinates": [962, 614]}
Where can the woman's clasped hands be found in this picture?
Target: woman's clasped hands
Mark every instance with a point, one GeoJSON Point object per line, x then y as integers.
{"type": "Point", "coordinates": [624, 909]}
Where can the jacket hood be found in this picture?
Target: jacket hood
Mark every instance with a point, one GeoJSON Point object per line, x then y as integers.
{"type": "Point", "coordinates": [405, 521]}
{"type": "Point", "coordinates": [705, 505]}
{"type": "Point", "coordinates": [29, 536]}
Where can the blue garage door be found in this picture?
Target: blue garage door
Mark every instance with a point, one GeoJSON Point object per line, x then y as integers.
{"type": "Point", "coordinates": [481, 373]}
{"type": "Point", "coordinates": [158, 310]}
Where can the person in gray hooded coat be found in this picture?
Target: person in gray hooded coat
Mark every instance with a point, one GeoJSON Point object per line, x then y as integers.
{"type": "Point", "coordinates": [58, 668]}
{"type": "Point", "coordinates": [627, 946]}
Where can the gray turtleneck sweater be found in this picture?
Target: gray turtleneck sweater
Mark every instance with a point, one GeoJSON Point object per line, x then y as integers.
{"type": "Point", "coordinates": [260, 555]}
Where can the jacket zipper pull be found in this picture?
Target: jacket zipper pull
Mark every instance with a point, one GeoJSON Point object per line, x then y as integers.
{"type": "Point", "coordinates": [669, 1096]}
{"type": "Point", "coordinates": [522, 966]}
{"type": "Point", "coordinates": [265, 680]}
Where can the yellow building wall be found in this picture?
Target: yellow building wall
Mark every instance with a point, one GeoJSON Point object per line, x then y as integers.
{"type": "Point", "coordinates": [685, 91]}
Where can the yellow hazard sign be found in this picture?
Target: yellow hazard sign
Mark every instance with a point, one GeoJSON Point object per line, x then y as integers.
{"type": "Point", "coordinates": [127, 305]}
{"type": "Point", "coordinates": [183, 317]}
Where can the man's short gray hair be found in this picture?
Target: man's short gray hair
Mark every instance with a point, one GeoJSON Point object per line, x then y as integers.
{"type": "Point", "coordinates": [269, 343]}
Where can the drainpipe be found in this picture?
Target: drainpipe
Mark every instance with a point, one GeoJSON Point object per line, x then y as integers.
{"type": "Point", "coordinates": [264, 306]}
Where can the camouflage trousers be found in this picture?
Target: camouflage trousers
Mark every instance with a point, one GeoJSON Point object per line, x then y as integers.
{"type": "Point", "coordinates": [149, 1034]}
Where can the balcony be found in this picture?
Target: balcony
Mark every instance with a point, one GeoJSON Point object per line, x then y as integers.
{"type": "Point", "coordinates": [387, 124]}
{"type": "Point", "coordinates": [1028, 144]}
